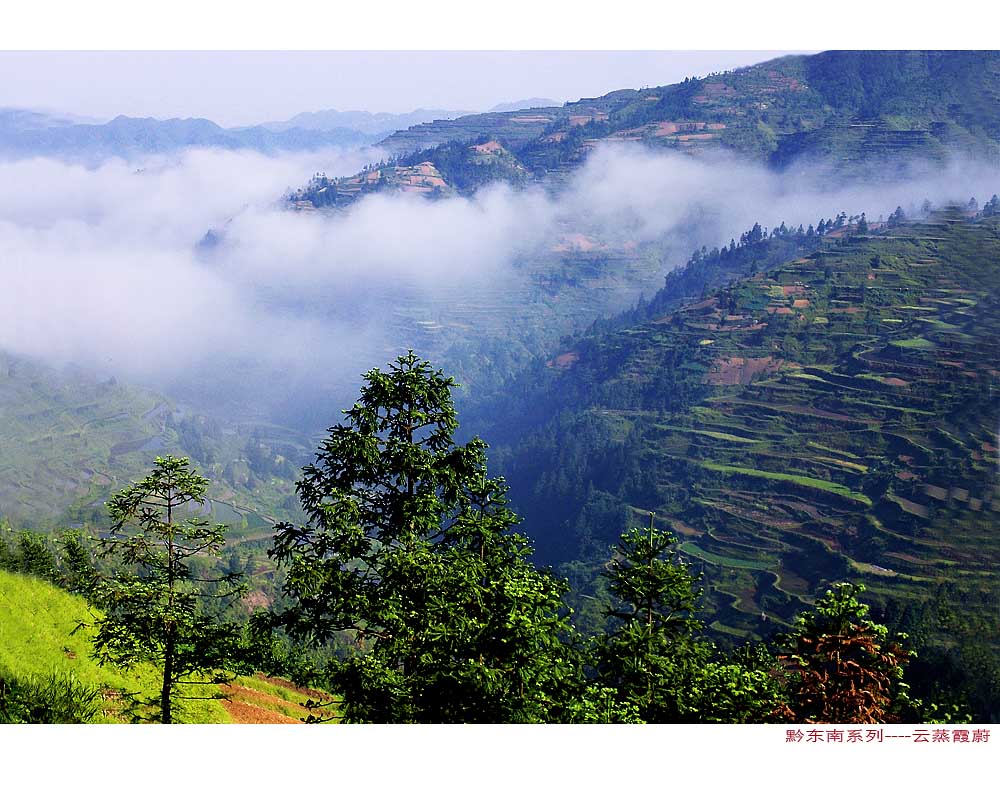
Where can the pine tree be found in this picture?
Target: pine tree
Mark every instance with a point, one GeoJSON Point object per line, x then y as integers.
{"type": "Point", "coordinates": [409, 550]}
{"type": "Point", "coordinates": [153, 602]}
{"type": "Point", "coordinates": [844, 667]}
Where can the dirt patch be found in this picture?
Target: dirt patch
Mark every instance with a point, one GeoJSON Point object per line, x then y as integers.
{"type": "Point", "coordinates": [244, 712]}
{"type": "Point", "coordinates": [489, 147]}
{"type": "Point", "coordinates": [261, 707]}
{"type": "Point", "coordinates": [577, 243]}
{"type": "Point", "coordinates": [563, 361]}
{"type": "Point", "coordinates": [257, 599]}
{"type": "Point", "coordinates": [741, 371]}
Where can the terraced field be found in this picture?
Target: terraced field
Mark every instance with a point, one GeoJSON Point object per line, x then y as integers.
{"type": "Point", "coordinates": [68, 439]}
{"type": "Point", "coordinates": [834, 417]}
{"type": "Point", "coordinates": [879, 460]}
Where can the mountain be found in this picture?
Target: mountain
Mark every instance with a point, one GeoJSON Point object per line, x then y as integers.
{"type": "Point", "coordinates": [827, 415]}
{"type": "Point", "coordinates": [15, 119]}
{"type": "Point", "coordinates": [24, 135]}
{"type": "Point", "coordinates": [361, 120]}
{"type": "Point", "coordinates": [846, 110]}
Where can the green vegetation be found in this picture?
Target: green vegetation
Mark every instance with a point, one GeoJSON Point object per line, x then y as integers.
{"type": "Point", "coordinates": [870, 460]}
{"type": "Point", "coordinates": [804, 481]}
{"type": "Point", "coordinates": [419, 603]}
{"type": "Point", "coordinates": [153, 603]}
{"type": "Point", "coordinates": [849, 109]}
{"type": "Point", "coordinates": [409, 548]}
{"type": "Point", "coordinates": [43, 645]}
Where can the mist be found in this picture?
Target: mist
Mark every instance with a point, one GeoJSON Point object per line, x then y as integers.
{"type": "Point", "coordinates": [102, 266]}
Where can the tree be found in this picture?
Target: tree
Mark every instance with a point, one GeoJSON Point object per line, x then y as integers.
{"type": "Point", "coordinates": [650, 650]}
{"type": "Point", "coordinates": [844, 667]}
{"type": "Point", "coordinates": [654, 658]}
{"type": "Point", "coordinates": [153, 603]}
{"type": "Point", "coordinates": [408, 550]}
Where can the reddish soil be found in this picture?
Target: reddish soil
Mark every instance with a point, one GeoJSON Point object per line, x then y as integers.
{"type": "Point", "coordinates": [580, 120]}
{"type": "Point", "coordinates": [579, 243]}
{"type": "Point", "coordinates": [242, 712]}
{"type": "Point", "coordinates": [489, 147]}
{"type": "Point", "coordinates": [741, 371]}
{"type": "Point", "coordinates": [257, 599]}
{"type": "Point", "coordinates": [563, 361]}
{"type": "Point", "coordinates": [699, 136]}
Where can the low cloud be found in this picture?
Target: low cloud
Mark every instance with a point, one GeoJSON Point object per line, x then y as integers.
{"type": "Point", "coordinates": [102, 265]}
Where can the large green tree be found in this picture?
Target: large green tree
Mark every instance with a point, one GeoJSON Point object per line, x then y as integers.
{"type": "Point", "coordinates": [653, 654]}
{"type": "Point", "coordinates": [153, 603]}
{"type": "Point", "coordinates": [409, 551]}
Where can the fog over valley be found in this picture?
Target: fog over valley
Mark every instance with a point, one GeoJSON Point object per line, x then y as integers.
{"type": "Point", "coordinates": [104, 267]}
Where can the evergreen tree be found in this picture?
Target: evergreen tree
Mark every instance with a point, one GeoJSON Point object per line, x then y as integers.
{"type": "Point", "coordinates": [650, 651]}
{"type": "Point", "coordinates": [654, 659]}
{"type": "Point", "coordinates": [153, 603]}
{"type": "Point", "coordinates": [409, 548]}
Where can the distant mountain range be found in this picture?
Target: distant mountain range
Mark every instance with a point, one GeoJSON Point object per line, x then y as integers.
{"type": "Point", "coordinates": [375, 124]}
{"type": "Point", "coordinates": [30, 134]}
{"type": "Point", "coordinates": [25, 132]}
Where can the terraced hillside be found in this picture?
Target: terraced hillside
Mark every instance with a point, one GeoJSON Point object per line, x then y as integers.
{"type": "Point", "coordinates": [847, 110]}
{"type": "Point", "coordinates": [832, 417]}
{"type": "Point", "coordinates": [68, 439]}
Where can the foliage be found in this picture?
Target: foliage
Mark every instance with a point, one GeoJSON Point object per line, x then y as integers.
{"type": "Point", "coordinates": [844, 667]}
{"type": "Point", "coordinates": [54, 698]}
{"type": "Point", "coordinates": [653, 658]}
{"type": "Point", "coordinates": [152, 604]}
{"type": "Point", "coordinates": [409, 547]}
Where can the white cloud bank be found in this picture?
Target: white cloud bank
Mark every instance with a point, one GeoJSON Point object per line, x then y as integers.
{"type": "Point", "coordinates": [100, 266]}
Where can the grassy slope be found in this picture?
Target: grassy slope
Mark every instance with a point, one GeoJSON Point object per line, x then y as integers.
{"type": "Point", "coordinates": [37, 622]}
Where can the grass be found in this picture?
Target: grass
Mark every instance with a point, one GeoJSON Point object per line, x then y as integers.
{"type": "Point", "coordinates": [37, 638]}
{"type": "Point", "coordinates": [804, 481]}
{"type": "Point", "coordinates": [731, 438]}
{"type": "Point", "coordinates": [713, 558]}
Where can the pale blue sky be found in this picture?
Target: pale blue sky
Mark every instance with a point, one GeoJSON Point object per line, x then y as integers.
{"type": "Point", "coordinates": [236, 88]}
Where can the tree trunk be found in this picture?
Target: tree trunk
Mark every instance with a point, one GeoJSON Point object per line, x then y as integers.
{"type": "Point", "coordinates": [168, 672]}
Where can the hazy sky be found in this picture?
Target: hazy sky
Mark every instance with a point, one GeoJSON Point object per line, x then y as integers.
{"type": "Point", "coordinates": [236, 88]}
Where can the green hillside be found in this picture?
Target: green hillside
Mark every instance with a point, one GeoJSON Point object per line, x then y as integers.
{"type": "Point", "coordinates": [39, 641]}
{"type": "Point", "coordinates": [68, 439]}
{"type": "Point", "coordinates": [846, 110]}
{"type": "Point", "coordinates": [831, 417]}
{"type": "Point", "coordinates": [37, 638]}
